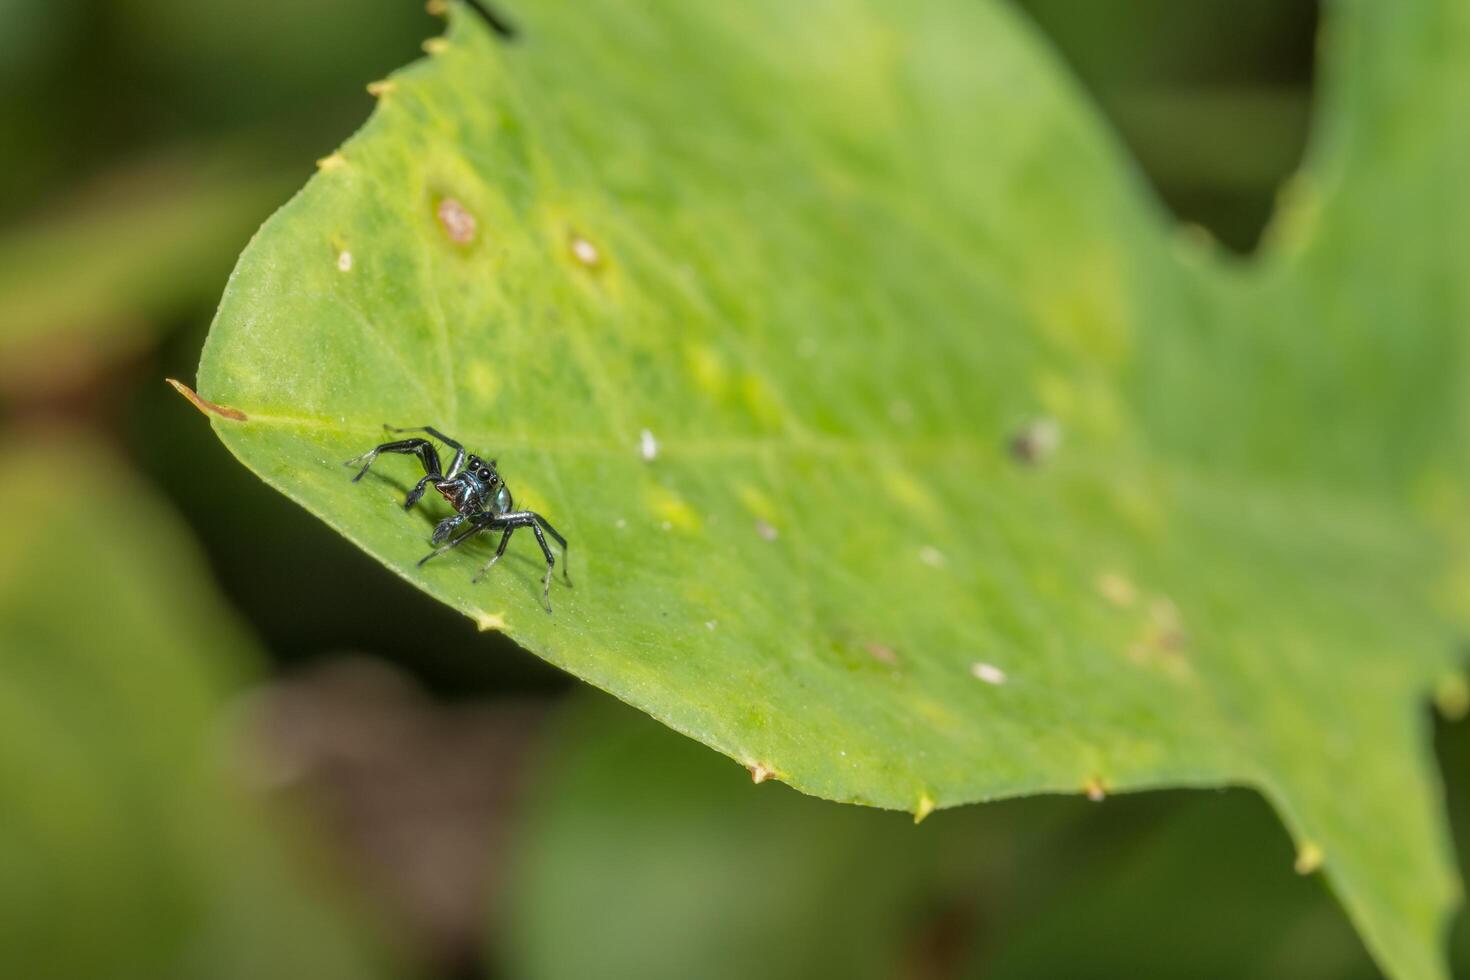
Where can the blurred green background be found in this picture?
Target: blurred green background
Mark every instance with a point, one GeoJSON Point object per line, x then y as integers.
{"type": "Point", "coordinates": [233, 745]}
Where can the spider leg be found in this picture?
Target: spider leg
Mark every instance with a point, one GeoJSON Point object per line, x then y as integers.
{"type": "Point", "coordinates": [455, 463]}
{"type": "Point", "coordinates": [475, 528]}
{"type": "Point", "coordinates": [422, 448]}
{"type": "Point", "coordinates": [566, 572]}
{"type": "Point", "coordinates": [504, 540]}
{"type": "Point", "coordinates": [534, 521]}
{"type": "Point", "coordinates": [442, 529]}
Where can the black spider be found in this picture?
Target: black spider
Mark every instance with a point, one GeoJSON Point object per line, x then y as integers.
{"type": "Point", "coordinates": [478, 495]}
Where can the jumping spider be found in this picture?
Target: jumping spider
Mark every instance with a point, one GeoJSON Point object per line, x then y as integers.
{"type": "Point", "coordinates": [479, 497]}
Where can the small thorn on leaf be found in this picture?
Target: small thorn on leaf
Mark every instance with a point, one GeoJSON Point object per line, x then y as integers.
{"type": "Point", "coordinates": [486, 622]}
{"type": "Point", "coordinates": [1309, 858]}
{"type": "Point", "coordinates": [335, 161]}
{"type": "Point", "coordinates": [436, 45]}
{"type": "Point", "coordinates": [923, 808]}
{"type": "Point", "coordinates": [1094, 790]}
{"type": "Point", "coordinates": [1452, 696]}
{"type": "Point", "coordinates": [205, 405]}
{"type": "Point", "coordinates": [381, 87]}
{"type": "Point", "coordinates": [437, 8]}
{"type": "Point", "coordinates": [759, 773]}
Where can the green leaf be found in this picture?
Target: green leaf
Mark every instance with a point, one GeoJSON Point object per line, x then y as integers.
{"type": "Point", "coordinates": [851, 265]}
{"type": "Point", "coordinates": [130, 849]}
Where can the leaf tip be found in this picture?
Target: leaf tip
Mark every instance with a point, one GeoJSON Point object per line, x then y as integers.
{"type": "Point", "coordinates": [205, 405]}
{"type": "Point", "coordinates": [1094, 790]}
{"type": "Point", "coordinates": [1309, 858]}
{"type": "Point", "coordinates": [923, 808]}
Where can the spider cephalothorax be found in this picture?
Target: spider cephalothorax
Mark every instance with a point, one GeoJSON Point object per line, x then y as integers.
{"type": "Point", "coordinates": [478, 495]}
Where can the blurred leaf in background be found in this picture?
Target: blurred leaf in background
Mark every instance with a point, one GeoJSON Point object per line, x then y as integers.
{"type": "Point", "coordinates": [129, 845]}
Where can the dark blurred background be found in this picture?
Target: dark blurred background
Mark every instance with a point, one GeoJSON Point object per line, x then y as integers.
{"type": "Point", "coordinates": [489, 812]}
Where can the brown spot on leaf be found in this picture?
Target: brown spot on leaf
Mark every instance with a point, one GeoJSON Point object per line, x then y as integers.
{"type": "Point", "coordinates": [458, 224]}
{"type": "Point", "coordinates": [205, 405]}
{"type": "Point", "coordinates": [1036, 441]}
{"type": "Point", "coordinates": [881, 652]}
{"type": "Point", "coordinates": [759, 773]}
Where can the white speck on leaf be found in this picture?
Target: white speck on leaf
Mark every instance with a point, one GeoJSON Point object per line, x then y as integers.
{"type": "Point", "coordinates": [931, 556]}
{"type": "Point", "coordinates": [344, 260]}
{"type": "Point", "coordinates": [585, 252]}
{"type": "Point", "coordinates": [647, 446]}
{"type": "Point", "coordinates": [989, 673]}
{"type": "Point", "coordinates": [620, 523]}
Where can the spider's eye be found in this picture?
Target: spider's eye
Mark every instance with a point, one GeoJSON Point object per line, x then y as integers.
{"type": "Point", "coordinates": [485, 475]}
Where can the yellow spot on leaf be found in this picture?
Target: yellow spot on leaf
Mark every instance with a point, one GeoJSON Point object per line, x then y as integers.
{"type": "Point", "coordinates": [671, 509]}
